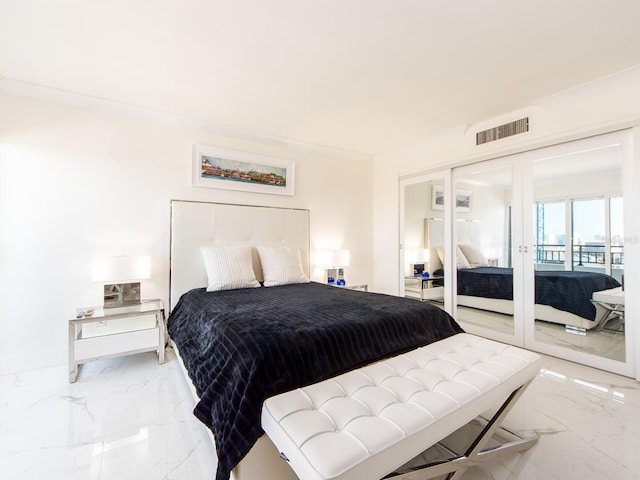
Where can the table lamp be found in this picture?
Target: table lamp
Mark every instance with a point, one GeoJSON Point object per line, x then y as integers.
{"type": "Point", "coordinates": [417, 259]}
{"type": "Point", "coordinates": [334, 261]}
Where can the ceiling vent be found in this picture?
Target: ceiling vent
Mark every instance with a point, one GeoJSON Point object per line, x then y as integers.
{"type": "Point", "coordinates": [503, 131]}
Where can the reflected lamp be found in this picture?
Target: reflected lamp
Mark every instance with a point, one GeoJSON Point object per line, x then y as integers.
{"type": "Point", "coordinates": [417, 259]}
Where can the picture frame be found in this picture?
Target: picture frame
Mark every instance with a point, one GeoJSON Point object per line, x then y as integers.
{"type": "Point", "coordinates": [214, 167]}
{"type": "Point", "coordinates": [464, 199]}
{"type": "Point", "coordinates": [437, 197]}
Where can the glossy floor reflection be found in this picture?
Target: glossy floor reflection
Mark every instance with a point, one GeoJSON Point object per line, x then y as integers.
{"type": "Point", "coordinates": [606, 343]}
{"type": "Point", "coordinates": [131, 418]}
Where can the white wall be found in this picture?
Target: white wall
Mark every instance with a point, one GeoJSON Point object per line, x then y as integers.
{"type": "Point", "coordinates": [76, 183]}
{"type": "Point", "coordinates": [417, 209]}
{"type": "Point", "coordinates": [490, 210]}
{"type": "Point", "coordinates": [610, 184]}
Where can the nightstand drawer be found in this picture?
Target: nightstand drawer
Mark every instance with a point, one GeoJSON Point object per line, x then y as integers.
{"type": "Point", "coordinates": [433, 293]}
{"type": "Point", "coordinates": [424, 288]}
{"type": "Point", "coordinates": [101, 328]}
{"type": "Point", "coordinates": [99, 332]}
{"type": "Point", "coordinates": [86, 349]}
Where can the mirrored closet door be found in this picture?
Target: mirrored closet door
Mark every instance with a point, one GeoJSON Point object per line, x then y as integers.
{"type": "Point", "coordinates": [488, 301]}
{"type": "Point", "coordinates": [577, 228]}
{"type": "Point", "coordinates": [539, 254]}
{"type": "Point", "coordinates": [423, 242]}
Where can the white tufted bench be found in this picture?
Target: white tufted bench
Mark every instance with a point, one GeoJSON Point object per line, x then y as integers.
{"type": "Point", "coordinates": [368, 422]}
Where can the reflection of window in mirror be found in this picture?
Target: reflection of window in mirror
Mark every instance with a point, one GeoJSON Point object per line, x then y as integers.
{"type": "Point", "coordinates": [574, 198]}
{"type": "Point", "coordinates": [578, 227]}
{"type": "Point", "coordinates": [586, 242]}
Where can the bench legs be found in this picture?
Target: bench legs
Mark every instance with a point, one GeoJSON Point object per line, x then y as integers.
{"type": "Point", "coordinates": [482, 448]}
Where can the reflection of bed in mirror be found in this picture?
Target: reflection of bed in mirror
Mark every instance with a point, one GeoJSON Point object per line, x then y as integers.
{"type": "Point", "coordinates": [563, 297]}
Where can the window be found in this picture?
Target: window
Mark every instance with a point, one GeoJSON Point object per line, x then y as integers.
{"type": "Point", "coordinates": [550, 235]}
{"type": "Point", "coordinates": [596, 236]}
{"type": "Point", "coordinates": [588, 234]}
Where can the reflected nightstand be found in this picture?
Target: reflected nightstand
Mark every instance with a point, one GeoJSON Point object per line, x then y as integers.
{"type": "Point", "coordinates": [363, 286]}
{"type": "Point", "coordinates": [422, 288]}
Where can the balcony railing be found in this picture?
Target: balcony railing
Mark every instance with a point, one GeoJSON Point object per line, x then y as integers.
{"type": "Point", "coordinates": [550, 254]}
{"type": "Point", "coordinates": [582, 254]}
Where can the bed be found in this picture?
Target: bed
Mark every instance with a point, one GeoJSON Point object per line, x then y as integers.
{"type": "Point", "coordinates": [241, 346]}
{"type": "Point", "coordinates": [564, 297]}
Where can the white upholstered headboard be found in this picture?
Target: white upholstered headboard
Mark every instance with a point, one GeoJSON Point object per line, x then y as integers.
{"type": "Point", "coordinates": [434, 238]}
{"type": "Point", "coordinates": [196, 224]}
{"type": "Point", "coordinates": [467, 231]}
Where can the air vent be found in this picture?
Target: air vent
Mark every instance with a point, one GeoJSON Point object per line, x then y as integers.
{"type": "Point", "coordinates": [503, 131]}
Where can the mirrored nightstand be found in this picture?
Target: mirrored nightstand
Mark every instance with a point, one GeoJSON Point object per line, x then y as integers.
{"type": "Point", "coordinates": [364, 287]}
{"type": "Point", "coordinates": [99, 332]}
{"type": "Point", "coordinates": [423, 288]}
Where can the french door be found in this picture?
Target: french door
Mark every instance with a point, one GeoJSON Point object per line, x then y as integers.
{"type": "Point", "coordinates": [525, 216]}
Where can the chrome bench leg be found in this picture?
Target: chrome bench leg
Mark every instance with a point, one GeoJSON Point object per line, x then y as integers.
{"type": "Point", "coordinates": [476, 453]}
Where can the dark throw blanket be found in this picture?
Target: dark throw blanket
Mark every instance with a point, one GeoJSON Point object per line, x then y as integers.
{"type": "Point", "coordinates": [241, 347]}
{"type": "Point", "coordinates": [564, 290]}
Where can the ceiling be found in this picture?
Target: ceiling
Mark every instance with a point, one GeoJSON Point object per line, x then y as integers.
{"type": "Point", "coordinates": [364, 76]}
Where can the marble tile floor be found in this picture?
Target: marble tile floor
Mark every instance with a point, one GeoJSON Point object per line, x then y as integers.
{"type": "Point", "coordinates": [131, 418]}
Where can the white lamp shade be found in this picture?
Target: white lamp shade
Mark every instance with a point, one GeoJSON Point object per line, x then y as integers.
{"type": "Point", "coordinates": [416, 255]}
{"type": "Point", "coordinates": [123, 268]}
{"type": "Point", "coordinates": [332, 258]}
{"type": "Point", "coordinates": [492, 252]}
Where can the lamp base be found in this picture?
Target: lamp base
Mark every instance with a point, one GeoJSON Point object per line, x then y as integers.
{"type": "Point", "coordinates": [332, 273]}
{"type": "Point", "coordinates": [335, 276]}
{"type": "Point", "coordinates": [418, 268]}
{"type": "Point", "coordinates": [120, 294]}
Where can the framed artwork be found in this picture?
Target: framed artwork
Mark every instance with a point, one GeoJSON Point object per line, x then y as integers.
{"type": "Point", "coordinates": [463, 199]}
{"type": "Point", "coordinates": [437, 197]}
{"type": "Point", "coordinates": [248, 172]}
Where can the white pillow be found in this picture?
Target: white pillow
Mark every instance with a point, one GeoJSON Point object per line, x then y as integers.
{"type": "Point", "coordinates": [281, 266]}
{"type": "Point", "coordinates": [474, 255]}
{"type": "Point", "coordinates": [229, 268]}
{"type": "Point", "coordinates": [461, 260]}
